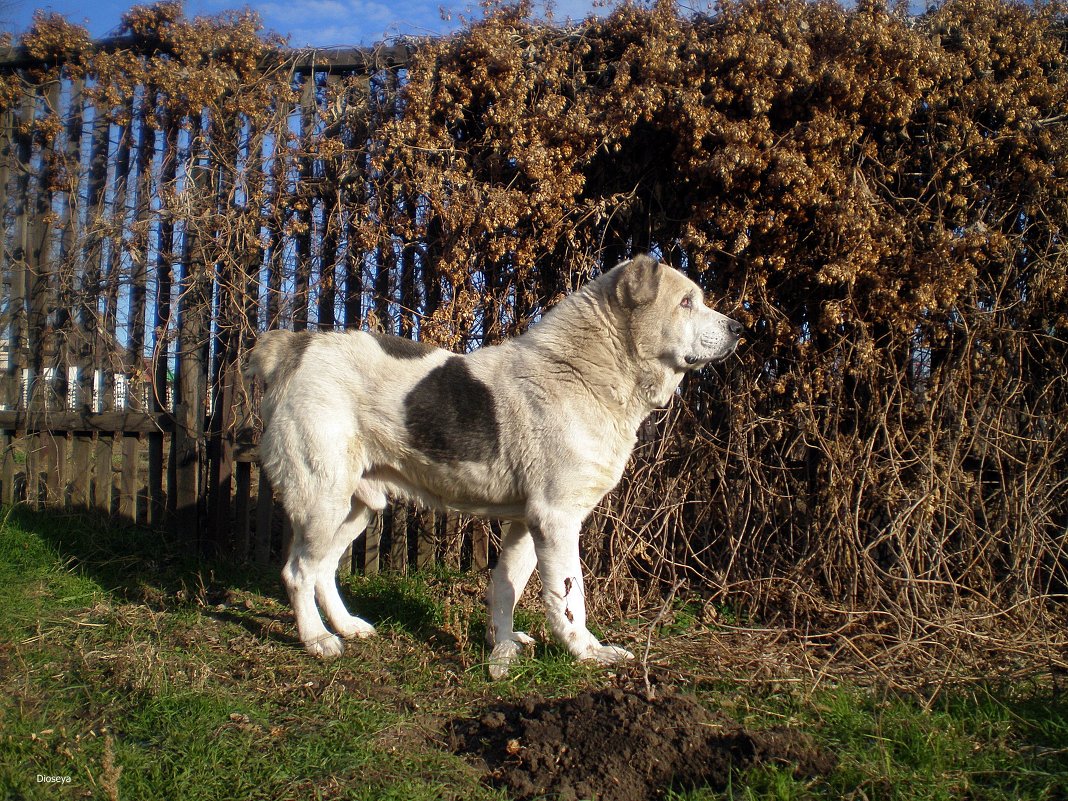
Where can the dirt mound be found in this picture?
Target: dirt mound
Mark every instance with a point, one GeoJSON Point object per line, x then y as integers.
{"type": "Point", "coordinates": [615, 745]}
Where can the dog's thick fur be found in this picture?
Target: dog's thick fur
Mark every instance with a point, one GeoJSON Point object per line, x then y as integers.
{"type": "Point", "coordinates": [534, 431]}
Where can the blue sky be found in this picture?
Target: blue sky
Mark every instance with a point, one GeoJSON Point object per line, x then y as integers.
{"type": "Point", "coordinates": [318, 23]}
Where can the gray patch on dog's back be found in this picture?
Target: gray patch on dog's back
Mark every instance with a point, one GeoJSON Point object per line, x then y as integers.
{"type": "Point", "coordinates": [401, 348]}
{"type": "Point", "coordinates": [299, 343]}
{"type": "Point", "coordinates": [286, 352]}
{"type": "Point", "coordinates": [450, 415]}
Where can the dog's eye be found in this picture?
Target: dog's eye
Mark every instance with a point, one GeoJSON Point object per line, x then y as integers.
{"type": "Point", "coordinates": [687, 302]}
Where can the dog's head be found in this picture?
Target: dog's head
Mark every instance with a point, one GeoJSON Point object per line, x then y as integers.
{"type": "Point", "coordinates": [669, 320]}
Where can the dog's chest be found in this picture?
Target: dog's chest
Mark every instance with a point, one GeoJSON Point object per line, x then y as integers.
{"type": "Point", "coordinates": [589, 467]}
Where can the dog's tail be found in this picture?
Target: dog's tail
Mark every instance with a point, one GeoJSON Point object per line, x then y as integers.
{"type": "Point", "coordinates": [275, 355]}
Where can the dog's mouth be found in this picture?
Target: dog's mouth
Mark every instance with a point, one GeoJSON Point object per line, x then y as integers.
{"type": "Point", "coordinates": [696, 361]}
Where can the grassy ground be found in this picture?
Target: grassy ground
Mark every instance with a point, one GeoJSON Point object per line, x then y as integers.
{"type": "Point", "coordinates": [128, 670]}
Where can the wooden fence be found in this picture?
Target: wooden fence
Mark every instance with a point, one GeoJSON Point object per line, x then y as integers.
{"type": "Point", "coordinates": [124, 318]}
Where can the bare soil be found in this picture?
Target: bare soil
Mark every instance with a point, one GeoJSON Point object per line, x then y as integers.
{"type": "Point", "coordinates": [616, 745]}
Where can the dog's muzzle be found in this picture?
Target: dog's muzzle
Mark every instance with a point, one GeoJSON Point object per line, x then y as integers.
{"type": "Point", "coordinates": [718, 344]}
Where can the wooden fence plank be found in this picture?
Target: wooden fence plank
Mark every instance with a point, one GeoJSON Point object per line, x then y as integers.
{"type": "Point", "coordinates": [274, 243]}
{"type": "Point", "coordinates": [139, 193]}
{"type": "Point", "coordinates": [223, 467]}
{"type": "Point", "coordinates": [81, 465]}
{"type": "Point", "coordinates": [158, 456]}
{"type": "Point", "coordinates": [480, 539]}
{"type": "Point", "coordinates": [354, 195]}
{"type": "Point", "coordinates": [33, 471]}
{"type": "Point", "coordinates": [128, 477]}
{"type": "Point", "coordinates": [452, 543]}
{"type": "Point", "coordinates": [372, 546]}
{"type": "Point", "coordinates": [303, 211]}
{"type": "Point", "coordinates": [53, 458]}
{"type": "Point", "coordinates": [331, 225]}
{"type": "Point", "coordinates": [103, 474]}
{"type": "Point", "coordinates": [69, 250]}
{"type": "Point", "coordinates": [264, 516]}
{"type": "Point", "coordinates": [398, 547]}
{"type": "Point", "coordinates": [192, 360]}
{"type": "Point", "coordinates": [427, 542]}
{"type": "Point", "coordinates": [109, 356]}
{"type": "Point", "coordinates": [63, 457]}
{"type": "Point", "coordinates": [8, 160]}
{"type": "Point", "coordinates": [38, 341]}
{"type": "Point", "coordinates": [84, 339]}
{"type": "Point", "coordinates": [39, 337]}
{"type": "Point", "coordinates": [242, 510]}
{"type": "Point", "coordinates": [138, 311]}
{"type": "Point", "coordinates": [18, 294]}
{"type": "Point", "coordinates": [17, 151]}
{"type": "Point", "coordinates": [225, 135]}
{"type": "Point", "coordinates": [7, 467]}
{"type": "Point", "coordinates": [241, 433]}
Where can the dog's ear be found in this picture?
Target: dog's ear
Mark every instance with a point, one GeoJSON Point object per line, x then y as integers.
{"type": "Point", "coordinates": [639, 282]}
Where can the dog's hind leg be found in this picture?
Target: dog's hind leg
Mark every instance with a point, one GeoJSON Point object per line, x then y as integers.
{"type": "Point", "coordinates": [311, 552]}
{"type": "Point", "coordinates": [509, 577]}
{"type": "Point", "coordinates": [326, 590]}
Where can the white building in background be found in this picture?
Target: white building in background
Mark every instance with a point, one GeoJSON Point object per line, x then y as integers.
{"type": "Point", "coordinates": [122, 384]}
{"type": "Point", "coordinates": [122, 399]}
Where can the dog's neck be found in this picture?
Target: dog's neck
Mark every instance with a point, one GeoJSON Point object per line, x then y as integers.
{"type": "Point", "coordinates": [657, 385]}
{"type": "Point", "coordinates": [591, 340]}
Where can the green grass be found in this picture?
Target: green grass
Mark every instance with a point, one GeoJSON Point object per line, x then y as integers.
{"type": "Point", "coordinates": [162, 673]}
{"type": "Point", "coordinates": [141, 673]}
{"type": "Point", "coordinates": [890, 747]}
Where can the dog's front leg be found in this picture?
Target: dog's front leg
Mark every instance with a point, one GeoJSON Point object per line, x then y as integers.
{"type": "Point", "coordinates": [556, 542]}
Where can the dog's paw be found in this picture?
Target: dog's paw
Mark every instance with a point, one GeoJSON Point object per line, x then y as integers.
{"type": "Point", "coordinates": [326, 647]}
{"type": "Point", "coordinates": [355, 628]}
{"type": "Point", "coordinates": [606, 654]}
{"type": "Point", "coordinates": [506, 651]}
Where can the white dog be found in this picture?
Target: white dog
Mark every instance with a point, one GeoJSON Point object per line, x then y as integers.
{"type": "Point", "coordinates": [534, 431]}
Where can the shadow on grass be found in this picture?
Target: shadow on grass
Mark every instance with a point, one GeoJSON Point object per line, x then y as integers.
{"type": "Point", "coordinates": [137, 563]}
{"type": "Point", "coordinates": [165, 571]}
{"type": "Point", "coordinates": [405, 603]}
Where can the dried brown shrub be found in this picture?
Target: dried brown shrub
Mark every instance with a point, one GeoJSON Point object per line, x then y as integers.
{"type": "Point", "coordinates": [881, 198]}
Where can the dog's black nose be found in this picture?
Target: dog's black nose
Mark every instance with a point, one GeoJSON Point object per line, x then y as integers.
{"type": "Point", "coordinates": [736, 328]}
